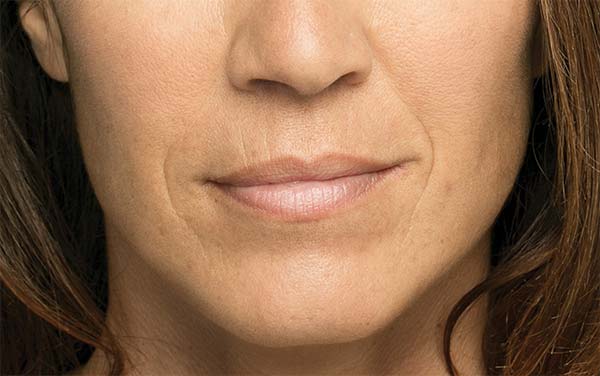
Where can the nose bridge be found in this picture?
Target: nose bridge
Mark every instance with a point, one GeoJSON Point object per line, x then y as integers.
{"type": "Point", "coordinates": [304, 44]}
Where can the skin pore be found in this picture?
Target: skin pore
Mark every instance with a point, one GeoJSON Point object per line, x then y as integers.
{"type": "Point", "coordinates": [171, 93]}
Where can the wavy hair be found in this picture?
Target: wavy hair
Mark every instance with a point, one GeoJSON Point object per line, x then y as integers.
{"type": "Point", "coordinates": [544, 284]}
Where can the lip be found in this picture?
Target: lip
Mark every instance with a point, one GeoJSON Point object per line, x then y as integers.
{"type": "Point", "coordinates": [291, 169]}
{"type": "Point", "coordinates": [295, 190]}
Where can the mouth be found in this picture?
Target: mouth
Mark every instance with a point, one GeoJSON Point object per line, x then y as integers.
{"type": "Point", "coordinates": [293, 190]}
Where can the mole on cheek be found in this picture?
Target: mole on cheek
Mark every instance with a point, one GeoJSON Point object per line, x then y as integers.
{"type": "Point", "coordinates": [448, 187]}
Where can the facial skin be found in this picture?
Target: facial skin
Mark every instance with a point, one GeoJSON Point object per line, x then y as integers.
{"type": "Point", "coordinates": [164, 100]}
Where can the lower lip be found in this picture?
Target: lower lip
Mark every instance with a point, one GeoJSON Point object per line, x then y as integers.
{"type": "Point", "coordinates": [308, 200]}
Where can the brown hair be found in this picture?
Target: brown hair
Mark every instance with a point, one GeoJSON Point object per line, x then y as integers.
{"type": "Point", "coordinates": [544, 285]}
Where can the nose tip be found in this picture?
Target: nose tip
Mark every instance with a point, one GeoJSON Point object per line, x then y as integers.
{"type": "Point", "coordinates": [298, 45]}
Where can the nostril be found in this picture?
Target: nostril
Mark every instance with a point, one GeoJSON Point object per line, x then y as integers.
{"type": "Point", "coordinates": [273, 87]}
{"type": "Point", "coordinates": [350, 78]}
{"type": "Point", "coordinates": [264, 84]}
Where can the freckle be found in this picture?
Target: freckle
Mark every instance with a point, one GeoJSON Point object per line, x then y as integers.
{"type": "Point", "coordinates": [447, 187]}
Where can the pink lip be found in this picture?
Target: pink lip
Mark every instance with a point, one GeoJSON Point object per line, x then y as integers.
{"type": "Point", "coordinates": [293, 190]}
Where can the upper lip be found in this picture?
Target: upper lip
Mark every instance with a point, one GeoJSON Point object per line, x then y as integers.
{"type": "Point", "coordinates": [291, 168]}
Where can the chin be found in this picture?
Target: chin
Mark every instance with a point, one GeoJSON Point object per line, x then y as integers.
{"type": "Point", "coordinates": [299, 323]}
{"type": "Point", "coordinates": [306, 332]}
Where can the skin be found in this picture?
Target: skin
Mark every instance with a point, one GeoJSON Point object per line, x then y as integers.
{"type": "Point", "coordinates": [163, 97]}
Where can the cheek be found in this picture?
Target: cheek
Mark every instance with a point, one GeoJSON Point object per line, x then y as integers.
{"type": "Point", "coordinates": [468, 84]}
{"type": "Point", "coordinates": [137, 90]}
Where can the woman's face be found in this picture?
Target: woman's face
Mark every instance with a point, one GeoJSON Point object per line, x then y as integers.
{"type": "Point", "coordinates": [170, 95]}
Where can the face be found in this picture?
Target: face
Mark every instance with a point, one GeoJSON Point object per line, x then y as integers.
{"type": "Point", "coordinates": [170, 95]}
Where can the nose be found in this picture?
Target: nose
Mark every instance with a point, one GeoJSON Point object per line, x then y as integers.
{"type": "Point", "coordinates": [305, 45]}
